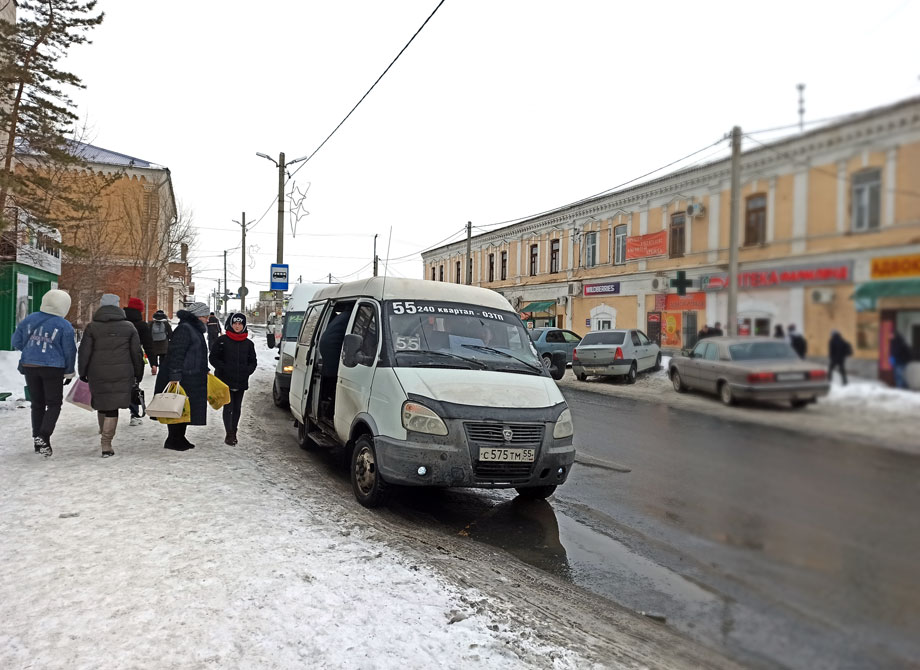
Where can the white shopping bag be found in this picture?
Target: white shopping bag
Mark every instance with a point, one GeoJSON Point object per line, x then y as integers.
{"type": "Point", "coordinates": [169, 404]}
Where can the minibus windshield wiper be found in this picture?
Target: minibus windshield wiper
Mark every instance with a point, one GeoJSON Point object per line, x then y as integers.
{"type": "Point", "coordinates": [481, 347]}
{"type": "Point", "coordinates": [482, 366]}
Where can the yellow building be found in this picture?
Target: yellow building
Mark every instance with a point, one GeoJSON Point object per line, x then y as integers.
{"type": "Point", "coordinates": [829, 239]}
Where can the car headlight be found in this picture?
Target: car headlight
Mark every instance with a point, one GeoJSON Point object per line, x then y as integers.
{"type": "Point", "coordinates": [287, 364]}
{"type": "Point", "coordinates": [564, 427]}
{"type": "Point", "coordinates": [421, 419]}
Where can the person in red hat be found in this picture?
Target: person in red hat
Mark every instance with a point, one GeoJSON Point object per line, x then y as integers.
{"type": "Point", "coordinates": [134, 312]}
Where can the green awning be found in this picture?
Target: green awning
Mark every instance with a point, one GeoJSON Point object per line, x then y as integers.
{"type": "Point", "coordinates": [866, 295]}
{"type": "Point", "coordinates": [542, 307]}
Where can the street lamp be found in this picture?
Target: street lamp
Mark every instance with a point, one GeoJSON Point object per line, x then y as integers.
{"type": "Point", "coordinates": [282, 169]}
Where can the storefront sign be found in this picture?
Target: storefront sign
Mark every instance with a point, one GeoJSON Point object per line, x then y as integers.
{"type": "Point", "coordinates": [602, 289]}
{"type": "Point", "coordinates": [677, 303]}
{"type": "Point", "coordinates": [893, 267]}
{"type": "Point", "coordinates": [643, 246]}
{"type": "Point", "coordinates": [661, 302]}
{"type": "Point", "coordinates": [670, 329]}
{"type": "Point", "coordinates": [783, 277]}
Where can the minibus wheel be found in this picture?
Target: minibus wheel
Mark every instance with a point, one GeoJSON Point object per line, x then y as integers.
{"type": "Point", "coordinates": [536, 492]}
{"type": "Point", "coordinates": [366, 482]}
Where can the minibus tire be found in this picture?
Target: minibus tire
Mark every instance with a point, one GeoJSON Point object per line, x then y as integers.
{"type": "Point", "coordinates": [369, 488]}
{"type": "Point", "coordinates": [536, 492]}
{"type": "Point", "coordinates": [277, 398]}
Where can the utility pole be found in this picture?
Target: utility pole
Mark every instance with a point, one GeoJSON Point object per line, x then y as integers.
{"type": "Point", "coordinates": [220, 295]}
{"type": "Point", "coordinates": [801, 88]}
{"type": "Point", "coordinates": [243, 269]}
{"type": "Point", "coordinates": [375, 254]}
{"type": "Point", "coordinates": [469, 256]}
{"type": "Point", "coordinates": [330, 277]}
{"type": "Point", "coordinates": [280, 208]}
{"type": "Point", "coordinates": [735, 205]}
{"type": "Point", "coordinates": [223, 295]}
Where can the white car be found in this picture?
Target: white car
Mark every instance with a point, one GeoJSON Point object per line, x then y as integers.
{"type": "Point", "coordinates": [615, 353]}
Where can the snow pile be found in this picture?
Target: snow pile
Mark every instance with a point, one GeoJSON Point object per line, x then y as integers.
{"type": "Point", "coordinates": [10, 379]}
{"type": "Point", "coordinates": [872, 395]}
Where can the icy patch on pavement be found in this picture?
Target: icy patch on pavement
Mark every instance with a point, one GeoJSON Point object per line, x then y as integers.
{"type": "Point", "coordinates": [871, 395]}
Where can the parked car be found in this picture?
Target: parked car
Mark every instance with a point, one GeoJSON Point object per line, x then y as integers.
{"type": "Point", "coordinates": [755, 368]}
{"type": "Point", "coordinates": [615, 353]}
{"type": "Point", "coordinates": [548, 340]}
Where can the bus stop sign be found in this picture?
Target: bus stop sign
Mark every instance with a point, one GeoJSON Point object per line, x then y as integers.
{"type": "Point", "coordinates": [279, 279]}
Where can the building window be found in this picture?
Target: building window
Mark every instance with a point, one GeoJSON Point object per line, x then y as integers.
{"type": "Point", "coordinates": [619, 250]}
{"type": "Point", "coordinates": [678, 235]}
{"type": "Point", "coordinates": [867, 186]}
{"type": "Point", "coordinates": [441, 273]}
{"type": "Point", "coordinates": [590, 249]}
{"type": "Point", "coordinates": [458, 272]}
{"type": "Point", "coordinates": [534, 255]}
{"type": "Point", "coordinates": [504, 267]}
{"type": "Point", "coordinates": [469, 270]}
{"type": "Point", "coordinates": [554, 256]}
{"type": "Point", "coordinates": [491, 267]}
{"type": "Point", "coordinates": [432, 273]}
{"type": "Point", "coordinates": [755, 220]}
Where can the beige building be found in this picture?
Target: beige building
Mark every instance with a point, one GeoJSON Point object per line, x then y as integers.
{"type": "Point", "coordinates": [829, 239]}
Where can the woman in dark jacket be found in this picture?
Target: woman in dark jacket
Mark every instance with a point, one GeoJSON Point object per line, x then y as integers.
{"type": "Point", "coordinates": [111, 360]}
{"type": "Point", "coordinates": [187, 363]}
{"type": "Point", "coordinates": [234, 359]}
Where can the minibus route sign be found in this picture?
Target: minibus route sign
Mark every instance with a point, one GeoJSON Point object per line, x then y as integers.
{"type": "Point", "coordinates": [435, 309]}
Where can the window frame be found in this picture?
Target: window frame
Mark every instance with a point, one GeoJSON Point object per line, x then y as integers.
{"type": "Point", "coordinates": [459, 269]}
{"type": "Point", "coordinates": [619, 244]}
{"type": "Point", "coordinates": [434, 273]}
{"type": "Point", "coordinates": [555, 251]}
{"type": "Point", "coordinates": [534, 259]}
{"type": "Point", "coordinates": [755, 219]}
{"type": "Point", "coordinates": [491, 267]}
{"type": "Point", "coordinates": [590, 248]}
{"type": "Point", "coordinates": [864, 191]}
{"type": "Point", "coordinates": [371, 356]}
{"type": "Point", "coordinates": [441, 272]}
{"type": "Point", "coordinates": [504, 266]}
{"type": "Point", "coordinates": [678, 223]}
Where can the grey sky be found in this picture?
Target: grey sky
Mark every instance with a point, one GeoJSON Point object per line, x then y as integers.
{"type": "Point", "coordinates": [498, 110]}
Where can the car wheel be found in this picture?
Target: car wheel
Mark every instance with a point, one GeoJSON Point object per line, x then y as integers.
{"type": "Point", "coordinates": [547, 361]}
{"type": "Point", "coordinates": [657, 363]}
{"type": "Point", "coordinates": [536, 492]}
{"type": "Point", "coordinates": [677, 382]}
{"type": "Point", "coordinates": [277, 398]}
{"type": "Point", "coordinates": [631, 375]}
{"type": "Point", "coordinates": [725, 393]}
{"type": "Point", "coordinates": [582, 377]}
{"type": "Point", "coordinates": [799, 404]}
{"type": "Point", "coordinates": [366, 482]}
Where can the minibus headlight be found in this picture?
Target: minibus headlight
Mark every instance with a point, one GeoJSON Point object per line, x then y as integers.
{"type": "Point", "coordinates": [564, 427]}
{"type": "Point", "coordinates": [287, 364]}
{"type": "Point", "coordinates": [420, 419]}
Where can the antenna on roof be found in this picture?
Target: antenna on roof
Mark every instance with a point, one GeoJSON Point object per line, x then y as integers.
{"type": "Point", "coordinates": [386, 262]}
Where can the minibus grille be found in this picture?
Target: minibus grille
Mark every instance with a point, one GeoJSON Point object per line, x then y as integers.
{"type": "Point", "coordinates": [492, 434]}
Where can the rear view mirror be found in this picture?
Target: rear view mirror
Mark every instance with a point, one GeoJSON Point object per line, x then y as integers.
{"type": "Point", "coordinates": [350, 348]}
{"type": "Point", "coordinates": [557, 367]}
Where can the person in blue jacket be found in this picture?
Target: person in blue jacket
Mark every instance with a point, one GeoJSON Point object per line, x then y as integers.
{"type": "Point", "coordinates": [49, 352]}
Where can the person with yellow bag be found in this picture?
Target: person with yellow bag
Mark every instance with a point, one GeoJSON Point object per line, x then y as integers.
{"type": "Point", "coordinates": [233, 358]}
{"type": "Point", "coordinates": [187, 363]}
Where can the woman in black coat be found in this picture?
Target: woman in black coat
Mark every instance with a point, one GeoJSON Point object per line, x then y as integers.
{"type": "Point", "coordinates": [234, 359]}
{"type": "Point", "coordinates": [187, 363]}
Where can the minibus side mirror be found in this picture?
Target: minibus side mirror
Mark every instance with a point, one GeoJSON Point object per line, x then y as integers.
{"type": "Point", "coordinates": [350, 348]}
{"type": "Point", "coordinates": [557, 367]}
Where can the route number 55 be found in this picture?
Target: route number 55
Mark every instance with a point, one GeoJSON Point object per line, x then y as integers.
{"type": "Point", "coordinates": [404, 307]}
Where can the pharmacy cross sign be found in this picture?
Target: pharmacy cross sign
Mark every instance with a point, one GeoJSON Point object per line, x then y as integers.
{"type": "Point", "coordinates": [681, 283]}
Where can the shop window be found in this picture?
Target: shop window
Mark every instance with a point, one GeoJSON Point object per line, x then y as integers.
{"type": "Point", "coordinates": [866, 204]}
{"type": "Point", "coordinates": [458, 272]}
{"type": "Point", "coordinates": [534, 255]}
{"type": "Point", "coordinates": [755, 220]}
{"type": "Point", "coordinates": [491, 267]}
{"type": "Point", "coordinates": [590, 249]}
{"type": "Point", "coordinates": [554, 256]}
{"type": "Point", "coordinates": [677, 235]}
{"type": "Point", "coordinates": [619, 250]}
{"type": "Point", "coordinates": [690, 334]}
{"type": "Point", "coordinates": [762, 327]}
{"type": "Point", "coordinates": [504, 267]}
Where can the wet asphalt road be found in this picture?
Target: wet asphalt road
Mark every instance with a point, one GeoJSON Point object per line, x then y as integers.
{"type": "Point", "coordinates": [779, 550]}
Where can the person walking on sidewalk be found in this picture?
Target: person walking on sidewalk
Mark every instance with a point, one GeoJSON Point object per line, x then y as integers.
{"type": "Point", "coordinates": [900, 357]}
{"type": "Point", "coordinates": [796, 341]}
{"type": "Point", "coordinates": [838, 351]}
{"type": "Point", "coordinates": [187, 363]}
{"type": "Point", "coordinates": [213, 330]}
{"type": "Point", "coordinates": [234, 360]}
{"type": "Point", "coordinates": [111, 361]}
{"type": "Point", "coordinates": [49, 352]}
{"type": "Point", "coordinates": [160, 334]}
{"type": "Point", "coordinates": [134, 312]}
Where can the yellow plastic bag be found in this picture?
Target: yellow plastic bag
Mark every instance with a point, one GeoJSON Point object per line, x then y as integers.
{"type": "Point", "coordinates": [186, 411]}
{"type": "Point", "coordinates": [218, 392]}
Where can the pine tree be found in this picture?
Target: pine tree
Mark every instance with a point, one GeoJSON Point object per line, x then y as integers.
{"type": "Point", "coordinates": [36, 112]}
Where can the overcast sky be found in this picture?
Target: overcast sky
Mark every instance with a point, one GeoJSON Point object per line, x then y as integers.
{"type": "Point", "coordinates": [498, 110]}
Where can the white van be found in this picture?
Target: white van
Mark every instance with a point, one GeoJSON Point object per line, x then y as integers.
{"type": "Point", "coordinates": [300, 297]}
{"type": "Point", "coordinates": [428, 384]}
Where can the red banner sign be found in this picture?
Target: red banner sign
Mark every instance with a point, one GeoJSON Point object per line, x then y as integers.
{"type": "Point", "coordinates": [642, 246]}
{"type": "Point", "coordinates": [810, 274]}
{"type": "Point", "coordinates": [691, 301]}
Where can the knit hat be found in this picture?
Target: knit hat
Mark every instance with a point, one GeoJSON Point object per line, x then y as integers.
{"type": "Point", "coordinates": [136, 303]}
{"type": "Point", "coordinates": [56, 302]}
{"type": "Point", "coordinates": [159, 315]}
{"type": "Point", "coordinates": [109, 299]}
{"type": "Point", "coordinates": [198, 309]}
{"type": "Point", "coordinates": [236, 317]}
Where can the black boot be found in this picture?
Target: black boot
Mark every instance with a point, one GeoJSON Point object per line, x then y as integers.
{"type": "Point", "coordinates": [176, 440]}
{"type": "Point", "coordinates": [230, 438]}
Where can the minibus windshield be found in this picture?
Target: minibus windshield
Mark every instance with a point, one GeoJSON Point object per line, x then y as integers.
{"type": "Point", "coordinates": [474, 337]}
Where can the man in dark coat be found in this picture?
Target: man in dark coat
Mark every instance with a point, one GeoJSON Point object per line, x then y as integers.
{"type": "Point", "coordinates": [187, 363]}
{"type": "Point", "coordinates": [111, 361]}
{"type": "Point", "coordinates": [797, 342]}
{"type": "Point", "coordinates": [213, 330]}
{"type": "Point", "coordinates": [234, 359]}
{"type": "Point", "coordinates": [160, 334]}
{"type": "Point", "coordinates": [838, 351]}
{"type": "Point", "coordinates": [134, 313]}
{"type": "Point", "coordinates": [900, 357]}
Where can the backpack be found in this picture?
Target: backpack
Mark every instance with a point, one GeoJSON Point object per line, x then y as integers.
{"type": "Point", "coordinates": [158, 330]}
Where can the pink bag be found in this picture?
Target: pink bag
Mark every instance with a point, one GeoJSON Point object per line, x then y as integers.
{"type": "Point", "coordinates": [80, 396]}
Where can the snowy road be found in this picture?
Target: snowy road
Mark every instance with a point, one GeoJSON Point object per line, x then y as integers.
{"type": "Point", "coordinates": [254, 556]}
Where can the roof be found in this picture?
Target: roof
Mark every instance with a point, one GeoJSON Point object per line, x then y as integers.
{"type": "Point", "coordinates": [389, 288]}
{"type": "Point", "coordinates": [93, 154]}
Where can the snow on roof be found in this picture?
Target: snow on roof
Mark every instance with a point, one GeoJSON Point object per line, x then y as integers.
{"type": "Point", "coordinates": [391, 288]}
{"type": "Point", "coordinates": [94, 154]}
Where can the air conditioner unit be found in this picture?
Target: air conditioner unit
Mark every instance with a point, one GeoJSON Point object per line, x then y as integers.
{"type": "Point", "coordinates": [822, 296]}
{"type": "Point", "coordinates": [575, 288]}
{"type": "Point", "coordinates": [695, 209]}
{"type": "Point", "coordinates": [561, 300]}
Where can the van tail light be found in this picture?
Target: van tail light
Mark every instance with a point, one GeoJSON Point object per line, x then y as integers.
{"type": "Point", "coordinates": [817, 374]}
{"type": "Point", "coordinates": [761, 377]}
{"type": "Point", "coordinates": [618, 356]}
{"type": "Point", "coordinates": [574, 354]}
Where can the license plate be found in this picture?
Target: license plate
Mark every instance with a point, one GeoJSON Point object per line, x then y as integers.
{"type": "Point", "coordinates": [790, 377]}
{"type": "Point", "coordinates": [507, 455]}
